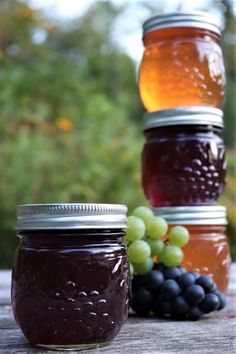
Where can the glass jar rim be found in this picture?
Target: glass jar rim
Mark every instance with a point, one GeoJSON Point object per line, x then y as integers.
{"type": "Point", "coordinates": [193, 215]}
{"type": "Point", "coordinates": [196, 19]}
{"type": "Point", "coordinates": [71, 216]}
{"type": "Point", "coordinates": [195, 115]}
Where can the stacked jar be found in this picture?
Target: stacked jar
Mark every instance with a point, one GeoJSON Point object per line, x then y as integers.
{"type": "Point", "coordinates": [181, 85]}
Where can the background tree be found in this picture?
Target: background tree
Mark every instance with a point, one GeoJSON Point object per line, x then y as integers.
{"type": "Point", "coordinates": [69, 109]}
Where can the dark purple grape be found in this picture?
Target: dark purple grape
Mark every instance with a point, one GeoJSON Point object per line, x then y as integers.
{"type": "Point", "coordinates": [210, 303]}
{"type": "Point", "coordinates": [165, 308]}
{"type": "Point", "coordinates": [160, 267]}
{"type": "Point", "coordinates": [194, 294]}
{"type": "Point", "coordinates": [206, 282]}
{"type": "Point", "coordinates": [170, 289]}
{"type": "Point", "coordinates": [194, 313]}
{"type": "Point", "coordinates": [195, 274]}
{"type": "Point", "coordinates": [157, 299]}
{"type": "Point", "coordinates": [182, 270]}
{"type": "Point", "coordinates": [141, 301]}
{"type": "Point", "coordinates": [180, 305]}
{"type": "Point", "coordinates": [214, 288]}
{"type": "Point", "coordinates": [154, 280]}
{"type": "Point", "coordinates": [172, 273]}
{"type": "Point", "coordinates": [185, 280]}
{"type": "Point", "coordinates": [138, 281]}
{"type": "Point", "coordinates": [222, 300]}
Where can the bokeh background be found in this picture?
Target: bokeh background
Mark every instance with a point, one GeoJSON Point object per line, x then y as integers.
{"type": "Point", "coordinates": [70, 113]}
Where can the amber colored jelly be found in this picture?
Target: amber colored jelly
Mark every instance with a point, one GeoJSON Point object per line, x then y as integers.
{"type": "Point", "coordinates": [183, 165]}
{"type": "Point", "coordinates": [70, 287]}
{"type": "Point", "coordinates": [181, 66]}
{"type": "Point", "coordinates": [208, 253]}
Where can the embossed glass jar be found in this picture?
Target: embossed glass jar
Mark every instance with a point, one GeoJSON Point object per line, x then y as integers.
{"type": "Point", "coordinates": [183, 62]}
{"type": "Point", "coordinates": [70, 279]}
{"type": "Point", "coordinates": [207, 251]}
{"type": "Point", "coordinates": [183, 159]}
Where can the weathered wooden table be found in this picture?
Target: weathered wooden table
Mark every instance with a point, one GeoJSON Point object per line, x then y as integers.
{"type": "Point", "coordinates": [216, 333]}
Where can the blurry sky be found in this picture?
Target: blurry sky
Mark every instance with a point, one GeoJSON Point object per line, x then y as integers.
{"type": "Point", "coordinates": [128, 29]}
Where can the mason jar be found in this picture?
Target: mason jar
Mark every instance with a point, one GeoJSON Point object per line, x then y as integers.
{"type": "Point", "coordinates": [70, 280]}
{"type": "Point", "coordinates": [183, 158]}
{"type": "Point", "coordinates": [207, 251]}
{"type": "Point", "coordinates": [182, 63]}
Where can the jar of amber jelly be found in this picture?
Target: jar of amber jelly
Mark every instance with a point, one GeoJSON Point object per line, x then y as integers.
{"type": "Point", "coordinates": [70, 280]}
{"type": "Point", "coordinates": [183, 159]}
{"type": "Point", "coordinates": [207, 251]}
{"type": "Point", "coordinates": [183, 62]}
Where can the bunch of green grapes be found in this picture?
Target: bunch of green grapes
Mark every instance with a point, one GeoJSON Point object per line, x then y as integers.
{"type": "Point", "coordinates": [147, 239]}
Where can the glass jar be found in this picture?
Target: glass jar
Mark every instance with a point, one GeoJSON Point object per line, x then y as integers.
{"type": "Point", "coordinates": [207, 251]}
{"type": "Point", "coordinates": [70, 280]}
{"type": "Point", "coordinates": [183, 159]}
{"type": "Point", "coordinates": [183, 62]}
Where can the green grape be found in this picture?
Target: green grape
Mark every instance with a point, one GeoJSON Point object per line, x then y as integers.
{"type": "Point", "coordinates": [178, 236]}
{"type": "Point", "coordinates": [157, 227]}
{"type": "Point", "coordinates": [131, 269]}
{"type": "Point", "coordinates": [172, 256]}
{"type": "Point", "coordinates": [139, 251]}
{"type": "Point", "coordinates": [135, 229]}
{"type": "Point", "coordinates": [144, 267]}
{"type": "Point", "coordinates": [157, 246]}
{"type": "Point", "coordinates": [144, 213]}
{"type": "Point", "coordinates": [160, 256]}
{"type": "Point", "coordinates": [127, 243]}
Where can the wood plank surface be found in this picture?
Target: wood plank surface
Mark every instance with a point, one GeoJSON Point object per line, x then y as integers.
{"type": "Point", "coordinates": [215, 333]}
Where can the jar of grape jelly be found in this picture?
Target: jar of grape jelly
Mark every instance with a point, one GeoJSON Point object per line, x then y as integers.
{"type": "Point", "coordinates": [183, 61]}
{"type": "Point", "coordinates": [183, 159]}
{"type": "Point", "coordinates": [70, 280]}
{"type": "Point", "coordinates": [207, 251]}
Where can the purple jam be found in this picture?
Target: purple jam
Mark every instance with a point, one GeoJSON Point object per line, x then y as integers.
{"type": "Point", "coordinates": [183, 165]}
{"type": "Point", "coordinates": [70, 288]}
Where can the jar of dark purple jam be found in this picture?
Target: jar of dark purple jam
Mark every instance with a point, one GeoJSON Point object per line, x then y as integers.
{"type": "Point", "coordinates": [183, 159]}
{"type": "Point", "coordinates": [70, 281]}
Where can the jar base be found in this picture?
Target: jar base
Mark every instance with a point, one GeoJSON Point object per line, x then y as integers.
{"type": "Point", "coordinates": [72, 347]}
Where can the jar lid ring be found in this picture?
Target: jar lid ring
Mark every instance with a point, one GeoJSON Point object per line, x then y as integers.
{"type": "Point", "coordinates": [193, 215]}
{"type": "Point", "coordinates": [196, 19]}
{"type": "Point", "coordinates": [71, 216]}
{"type": "Point", "coordinates": [194, 115]}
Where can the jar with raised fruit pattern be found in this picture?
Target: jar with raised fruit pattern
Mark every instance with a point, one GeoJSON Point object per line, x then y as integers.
{"type": "Point", "coordinates": [183, 61]}
{"type": "Point", "coordinates": [183, 159]}
{"type": "Point", "coordinates": [70, 280]}
{"type": "Point", "coordinates": [207, 251]}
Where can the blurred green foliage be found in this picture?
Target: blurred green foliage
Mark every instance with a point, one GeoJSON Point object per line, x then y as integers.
{"type": "Point", "coordinates": [229, 200]}
{"type": "Point", "coordinates": [71, 118]}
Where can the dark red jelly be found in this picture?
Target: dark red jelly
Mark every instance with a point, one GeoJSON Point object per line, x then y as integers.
{"type": "Point", "coordinates": [70, 287]}
{"type": "Point", "coordinates": [183, 165]}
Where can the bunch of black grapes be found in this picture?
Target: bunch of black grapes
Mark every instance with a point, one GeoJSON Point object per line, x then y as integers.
{"type": "Point", "coordinates": [175, 293]}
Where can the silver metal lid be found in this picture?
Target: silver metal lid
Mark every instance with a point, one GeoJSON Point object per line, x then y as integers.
{"type": "Point", "coordinates": [71, 216]}
{"type": "Point", "coordinates": [193, 215]}
{"type": "Point", "coordinates": [196, 19]}
{"type": "Point", "coordinates": [195, 115]}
